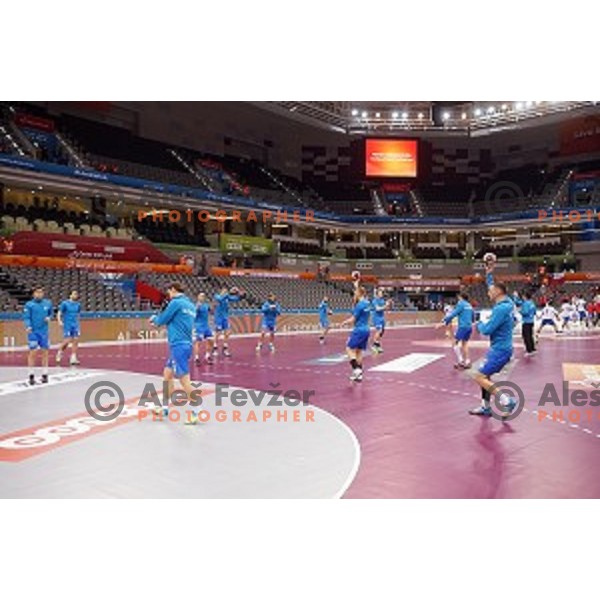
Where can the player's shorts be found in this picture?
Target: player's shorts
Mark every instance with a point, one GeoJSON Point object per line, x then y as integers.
{"type": "Point", "coordinates": [379, 326]}
{"type": "Point", "coordinates": [463, 334]}
{"type": "Point", "coordinates": [495, 361]}
{"type": "Point", "coordinates": [71, 331]}
{"type": "Point", "coordinates": [324, 323]}
{"type": "Point", "coordinates": [38, 340]}
{"type": "Point", "coordinates": [203, 333]}
{"type": "Point", "coordinates": [222, 324]}
{"type": "Point", "coordinates": [358, 340]}
{"type": "Point", "coordinates": [179, 359]}
{"type": "Point", "coordinates": [582, 315]}
{"type": "Point", "coordinates": [269, 326]}
{"type": "Point", "coordinates": [548, 322]}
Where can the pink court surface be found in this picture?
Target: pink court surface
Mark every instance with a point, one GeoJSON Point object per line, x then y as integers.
{"type": "Point", "coordinates": [409, 414]}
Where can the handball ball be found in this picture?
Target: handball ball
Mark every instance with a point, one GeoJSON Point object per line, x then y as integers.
{"type": "Point", "coordinates": [489, 258]}
{"type": "Point", "coordinates": [356, 275]}
{"type": "Point", "coordinates": [235, 291]}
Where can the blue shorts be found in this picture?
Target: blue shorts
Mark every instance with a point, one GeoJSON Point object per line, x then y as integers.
{"type": "Point", "coordinates": [582, 315]}
{"type": "Point", "coordinates": [71, 331]}
{"type": "Point", "coordinates": [548, 322]}
{"type": "Point", "coordinates": [566, 319]}
{"type": "Point", "coordinates": [358, 340]}
{"type": "Point", "coordinates": [379, 325]}
{"type": "Point", "coordinates": [38, 340]}
{"type": "Point", "coordinates": [203, 333]}
{"type": "Point", "coordinates": [463, 334]}
{"type": "Point", "coordinates": [222, 324]}
{"type": "Point", "coordinates": [179, 359]}
{"type": "Point", "coordinates": [324, 323]}
{"type": "Point", "coordinates": [270, 327]}
{"type": "Point", "coordinates": [495, 361]}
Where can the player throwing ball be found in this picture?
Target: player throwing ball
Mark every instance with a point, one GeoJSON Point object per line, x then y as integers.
{"type": "Point", "coordinates": [69, 312]}
{"type": "Point", "coordinates": [359, 338]}
{"type": "Point", "coordinates": [270, 310]}
{"type": "Point", "coordinates": [500, 330]}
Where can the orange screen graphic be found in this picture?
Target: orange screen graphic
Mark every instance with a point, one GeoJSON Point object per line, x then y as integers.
{"type": "Point", "coordinates": [391, 158]}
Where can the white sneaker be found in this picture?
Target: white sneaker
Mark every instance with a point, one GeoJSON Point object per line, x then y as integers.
{"type": "Point", "coordinates": [258, 347]}
{"type": "Point", "coordinates": [58, 357]}
{"type": "Point", "coordinates": [357, 375]}
{"type": "Point", "coordinates": [271, 347]}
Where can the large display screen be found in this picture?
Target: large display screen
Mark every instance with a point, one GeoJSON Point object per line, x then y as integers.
{"type": "Point", "coordinates": [391, 158]}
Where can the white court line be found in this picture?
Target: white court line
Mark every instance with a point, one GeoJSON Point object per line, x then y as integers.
{"type": "Point", "coordinates": [62, 378]}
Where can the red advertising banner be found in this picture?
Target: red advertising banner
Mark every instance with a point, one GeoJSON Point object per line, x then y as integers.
{"type": "Point", "coordinates": [108, 266]}
{"type": "Point", "coordinates": [86, 247]}
{"type": "Point", "coordinates": [33, 122]}
{"type": "Point", "coordinates": [580, 136]}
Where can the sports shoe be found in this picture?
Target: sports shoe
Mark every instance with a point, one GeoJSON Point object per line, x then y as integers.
{"type": "Point", "coordinates": [481, 411]}
{"type": "Point", "coordinates": [209, 359]}
{"type": "Point", "coordinates": [44, 378]}
{"type": "Point", "coordinates": [74, 362]}
{"type": "Point", "coordinates": [31, 380]}
{"type": "Point", "coordinates": [226, 352]}
{"type": "Point", "coordinates": [272, 347]}
{"type": "Point", "coordinates": [357, 375]}
{"type": "Point", "coordinates": [258, 347]}
{"type": "Point", "coordinates": [58, 357]}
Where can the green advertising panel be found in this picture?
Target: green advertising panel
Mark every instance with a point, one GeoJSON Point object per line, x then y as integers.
{"type": "Point", "coordinates": [244, 244]}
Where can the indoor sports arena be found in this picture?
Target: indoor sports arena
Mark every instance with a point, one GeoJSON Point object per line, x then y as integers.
{"type": "Point", "coordinates": [296, 299]}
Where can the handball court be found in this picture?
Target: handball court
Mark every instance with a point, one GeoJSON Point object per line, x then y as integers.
{"type": "Point", "coordinates": [404, 432]}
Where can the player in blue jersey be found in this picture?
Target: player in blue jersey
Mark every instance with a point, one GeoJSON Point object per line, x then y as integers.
{"type": "Point", "coordinates": [222, 327]}
{"type": "Point", "coordinates": [324, 313]}
{"type": "Point", "coordinates": [528, 310]}
{"type": "Point", "coordinates": [379, 306]}
{"type": "Point", "coordinates": [359, 338]}
{"type": "Point", "coordinates": [37, 314]}
{"type": "Point", "coordinates": [464, 314]}
{"type": "Point", "coordinates": [69, 312]}
{"type": "Point", "coordinates": [500, 330]}
{"type": "Point", "coordinates": [178, 317]}
{"type": "Point", "coordinates": [204, 333]}
{"type": "Point", "coordinates": [271, 309]}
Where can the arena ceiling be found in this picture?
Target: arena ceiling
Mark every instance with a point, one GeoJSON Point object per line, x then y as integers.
{"type": "Point", "coordinates": [359, 117]}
